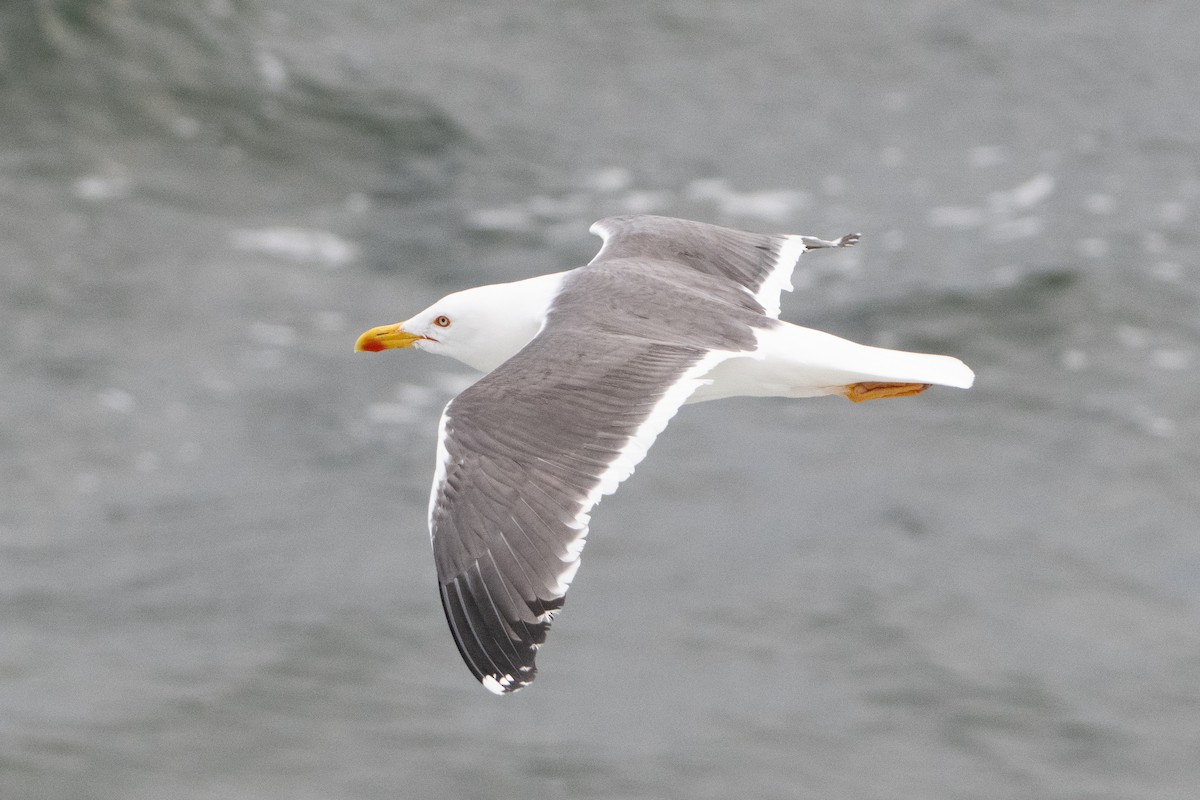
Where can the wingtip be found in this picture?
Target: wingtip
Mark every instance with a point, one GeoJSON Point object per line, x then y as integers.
{"type": "Point", "coordinates": [504, 684]}
{"type": "Point", "coordinates": [814, 243]}
{"type": "Point", "coordinates": [492, 685]}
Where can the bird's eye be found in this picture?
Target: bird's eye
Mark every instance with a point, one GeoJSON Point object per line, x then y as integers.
{"type": "Point", "coordinates": [442, 322]}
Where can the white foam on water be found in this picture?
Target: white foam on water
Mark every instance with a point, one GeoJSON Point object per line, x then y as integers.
{"type": "Point", "coordinates": [303, 245]}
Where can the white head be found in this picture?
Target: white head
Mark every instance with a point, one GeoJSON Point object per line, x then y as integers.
{"type": "Point", "coordinates": [481, 327]}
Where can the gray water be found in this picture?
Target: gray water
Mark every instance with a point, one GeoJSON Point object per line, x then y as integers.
{"type": "Point", "coordinates": [215, 576]}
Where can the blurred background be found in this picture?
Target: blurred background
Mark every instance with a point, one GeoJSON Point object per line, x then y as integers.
{"type": "Point", "coordinates": [215, 576]}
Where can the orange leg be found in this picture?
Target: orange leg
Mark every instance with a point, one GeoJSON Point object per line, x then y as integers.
{"type": "Point", "coordinates": [858, 392]}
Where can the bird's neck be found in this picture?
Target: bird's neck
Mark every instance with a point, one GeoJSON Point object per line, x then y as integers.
{"type": "Point", "coordinates": [523, 306]}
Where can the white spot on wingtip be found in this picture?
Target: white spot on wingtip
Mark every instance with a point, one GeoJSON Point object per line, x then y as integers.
{"type": "Point", "coordinates": [492, 685]}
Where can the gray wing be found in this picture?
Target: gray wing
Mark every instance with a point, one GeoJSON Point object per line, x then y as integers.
{"type": "Point", "coordinates": [762, 263]}
{"type": "Point", "coordinates": [527, 451]}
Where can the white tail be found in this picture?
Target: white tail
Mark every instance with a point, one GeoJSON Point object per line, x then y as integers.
{"type": "Point", "coordinates": [792, 361]}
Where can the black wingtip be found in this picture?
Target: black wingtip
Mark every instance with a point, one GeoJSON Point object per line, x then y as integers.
{"type": "Point", "coordinates": [507, 684]}
{"type": "Point", "coordinates": [501, 664]}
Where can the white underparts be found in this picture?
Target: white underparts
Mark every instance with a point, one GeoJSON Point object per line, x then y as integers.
{"type": "Point", "coordinates": [792, 361]}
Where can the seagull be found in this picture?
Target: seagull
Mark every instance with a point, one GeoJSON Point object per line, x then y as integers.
{"type": "Point", "coordinates": [584, 368]}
